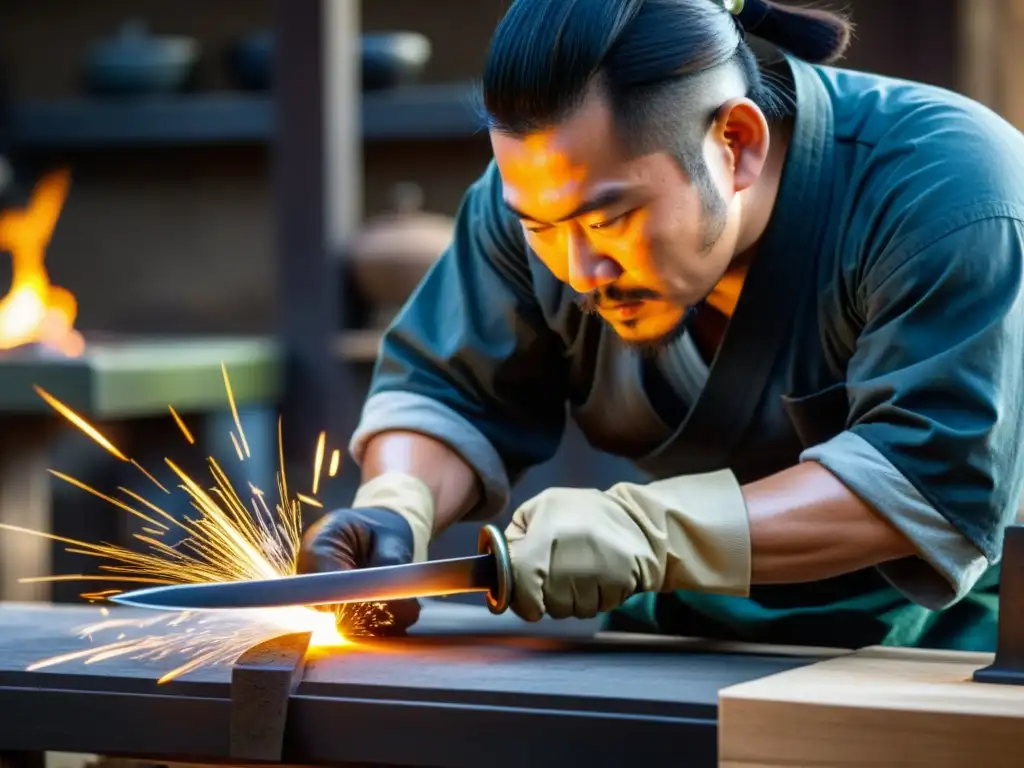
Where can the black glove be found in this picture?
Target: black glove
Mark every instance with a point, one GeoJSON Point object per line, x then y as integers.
{"type": "Point", "coordinates": [346, 539]}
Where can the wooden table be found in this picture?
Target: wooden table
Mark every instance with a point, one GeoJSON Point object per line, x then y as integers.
{"type": "Point", "coordinates": [875, 707]}
{"type": "Point", "coordinates": [116, 380]}
{"type": "Point", "coordinates": [466, 689]}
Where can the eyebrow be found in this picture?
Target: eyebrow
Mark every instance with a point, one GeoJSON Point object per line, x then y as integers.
{"type": "Point", "coordinates": [604, 199]}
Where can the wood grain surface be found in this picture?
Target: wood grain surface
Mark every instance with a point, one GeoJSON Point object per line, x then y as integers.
{"type": "Point", "coordinates": [875, 707]}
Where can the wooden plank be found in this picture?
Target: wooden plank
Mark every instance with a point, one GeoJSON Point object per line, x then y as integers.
{"type": "Point", "coordinates": [262, 681]}
{"type": "Point", "coordinates": [879, 706]}
{"type": "Point", "coordinates": [124, 378]}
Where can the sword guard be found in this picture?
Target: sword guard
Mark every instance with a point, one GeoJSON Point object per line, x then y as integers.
{"type": "Point", "coordinates": [492, 542]}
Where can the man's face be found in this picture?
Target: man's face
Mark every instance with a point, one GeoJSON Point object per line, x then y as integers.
{"type": "Point", "coordinates": [629, 234]}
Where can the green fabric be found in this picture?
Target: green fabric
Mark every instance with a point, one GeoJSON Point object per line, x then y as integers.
{"type": "Point", "coordinates": [878, 617]}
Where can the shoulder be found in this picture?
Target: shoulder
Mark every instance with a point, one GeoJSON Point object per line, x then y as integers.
{"type": "Point", "coordinates": [921, 167]}
{"type": "Point", "coordinates": [901, 124]}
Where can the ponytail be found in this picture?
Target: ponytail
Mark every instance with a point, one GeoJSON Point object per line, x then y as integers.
{"type": "Point", "coordinates": [816, 36]}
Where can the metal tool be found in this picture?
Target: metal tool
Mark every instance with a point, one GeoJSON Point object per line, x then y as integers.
{"type": "Point", "coordinates": [1007, 668]}
{"type": "Point", "coordinates": [489, 571]}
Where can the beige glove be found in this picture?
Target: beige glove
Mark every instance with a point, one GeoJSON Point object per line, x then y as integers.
{"type": "Point", "coordinates": [408, 496]}
{"type": "Point", "coordinates": [576, 552]}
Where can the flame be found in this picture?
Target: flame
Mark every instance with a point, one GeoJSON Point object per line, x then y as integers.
{"type": "Point", "coordinates": [229, 540]}
{"type": "Point", "coordinates": [34, 310]}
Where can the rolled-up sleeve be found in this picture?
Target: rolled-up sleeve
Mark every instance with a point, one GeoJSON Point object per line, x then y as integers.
{"type": "Point", "coordinates": [936, 393]}
{"type": "Point", "coordinates": [470, 359]}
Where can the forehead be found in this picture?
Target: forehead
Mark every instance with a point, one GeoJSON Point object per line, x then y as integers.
{"type": "Point", "coordinates": [552, 171]}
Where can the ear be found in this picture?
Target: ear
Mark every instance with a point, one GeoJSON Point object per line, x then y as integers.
{"type": "Point", "coordinates": [740, 131]}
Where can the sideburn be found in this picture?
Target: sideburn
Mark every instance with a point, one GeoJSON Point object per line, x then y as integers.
{"type": "Point", "coordinates": [714, 209]}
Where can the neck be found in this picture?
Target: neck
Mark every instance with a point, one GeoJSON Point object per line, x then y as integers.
{"type": "Point", "coordinates": [759, 200]}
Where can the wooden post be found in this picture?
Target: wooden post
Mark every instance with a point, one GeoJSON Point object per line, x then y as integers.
{"type": "Point", "coordinates": [992, 67]}
{"type": "Point", "coordinates": [343, 150]}
{"type": "Point", "coordinates": [316, 179]}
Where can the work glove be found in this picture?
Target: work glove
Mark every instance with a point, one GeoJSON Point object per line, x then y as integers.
{"type": "Point", "coordinates": [389, 522]}
{"type": "Point", "coordinates": [578, 552]}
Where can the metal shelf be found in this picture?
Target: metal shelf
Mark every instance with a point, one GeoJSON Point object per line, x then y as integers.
{"type": "Point", "coordinates": [427, 112]}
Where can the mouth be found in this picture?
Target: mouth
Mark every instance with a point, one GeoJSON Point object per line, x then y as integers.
{"type": "Point", "coordinates": [623, 310]}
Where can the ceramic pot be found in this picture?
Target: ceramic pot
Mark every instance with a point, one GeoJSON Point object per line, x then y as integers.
{"type": "Point", "coordinates": [393, 59]}
{"type": "Point", "coordinates": [394, 250]}
{"type": "Point", "coordinates": [388, 60]}
{"type": "Point", "coordinates": [250, 61]}
{"type": "Point", "coordinates": [137, 62]}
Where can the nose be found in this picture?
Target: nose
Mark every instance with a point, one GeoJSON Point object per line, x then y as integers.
{"type": "Point", "coordinates": [588, 269]}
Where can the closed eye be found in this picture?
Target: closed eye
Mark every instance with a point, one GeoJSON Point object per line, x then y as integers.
{"type": "Point", "coordinates": [610, 222]}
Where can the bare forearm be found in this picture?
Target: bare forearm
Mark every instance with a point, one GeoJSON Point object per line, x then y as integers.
{"type": "Point", "coordinates": [452, 482]}
{"type": "Point", "coordinates": [805, 525]}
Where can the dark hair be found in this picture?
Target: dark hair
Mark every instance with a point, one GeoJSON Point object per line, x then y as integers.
{"type": "Point", "coordinates": [666, 66]}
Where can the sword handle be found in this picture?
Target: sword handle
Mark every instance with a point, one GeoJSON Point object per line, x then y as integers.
{"type": "Point", "coordinates": [492, 542]}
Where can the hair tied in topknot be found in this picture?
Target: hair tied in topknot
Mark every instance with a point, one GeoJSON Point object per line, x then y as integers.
{"type": "Point", "coordinates": [751, 13]}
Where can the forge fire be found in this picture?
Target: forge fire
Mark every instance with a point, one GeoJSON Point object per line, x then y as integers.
{"type": "Point", "coordinates": [34, 311]}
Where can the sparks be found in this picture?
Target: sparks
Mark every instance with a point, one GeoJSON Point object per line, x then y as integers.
{"type": "Point", "coordinates": [234, 409]}
{"type": "Point", "coordinates": [228, 540]}
{"type": "Point", "coordinates": [79, 422]}
{"type": "Point", "coordinates": [191, 641]}
{"type": "Point", "coordinates": [181, 425]}
{"type": "Point", "coordinates": [318, 461]}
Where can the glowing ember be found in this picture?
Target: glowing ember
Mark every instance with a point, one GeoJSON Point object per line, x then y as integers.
{"type": "Point", "coordinates": [34, 311]}
{"type": "Point", "coordinates": [227, 541]}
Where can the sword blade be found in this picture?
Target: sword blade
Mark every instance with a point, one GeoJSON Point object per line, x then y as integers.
{"type": "Point", "coordinates": [433, 578]}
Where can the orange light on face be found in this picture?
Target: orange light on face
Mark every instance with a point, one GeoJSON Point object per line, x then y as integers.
{"type": "Point", "coordinates": [544, 175]}
{"type": "Point", "coordinates": [34, 310]}
{"type": "Point", "coordinates": [626, 228]}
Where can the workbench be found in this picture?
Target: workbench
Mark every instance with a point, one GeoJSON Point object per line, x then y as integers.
{"type": "Point", "coordinates": [116, 380]}
{"type": "Point", "coordinates": [465, 688]}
